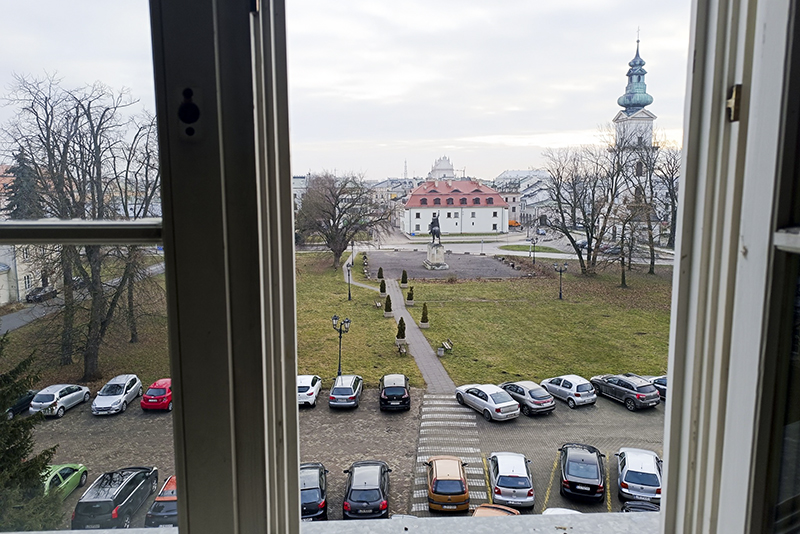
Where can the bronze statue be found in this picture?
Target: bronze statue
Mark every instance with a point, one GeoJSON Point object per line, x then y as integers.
{"type": "Point", "coordinates": [434, 230]}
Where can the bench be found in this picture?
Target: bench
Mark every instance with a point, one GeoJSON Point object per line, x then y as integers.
{"type": "Point", "coordinates": [378, 304]}
{"type": "Point", "coordinates": [447, 345]}
{"type": "Point", "coordinates": [402, 349]}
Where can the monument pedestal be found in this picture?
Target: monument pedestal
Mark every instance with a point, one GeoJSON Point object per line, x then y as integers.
{"type": "Point", "coordinates": [435, 260]}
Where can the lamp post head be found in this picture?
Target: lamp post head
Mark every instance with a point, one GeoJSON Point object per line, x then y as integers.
{"type": "Point", "coordinates": [335, 320]}
{"type": "Point", "coordinates": [555, 266]}
{"type": "Point", "coordinates": [346, 325]}
{"type": "Point", "coordinates": [565, 266]}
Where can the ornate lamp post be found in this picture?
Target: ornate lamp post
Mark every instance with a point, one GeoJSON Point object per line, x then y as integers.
{"type": "Point", "coordinates": [348, 282]}
{"type": "Point", "coordinates": [532, 248]}
{"type": "Point", "coordinates": [342, 328]}
{"type": "Point", "coordinates": [560, 270]}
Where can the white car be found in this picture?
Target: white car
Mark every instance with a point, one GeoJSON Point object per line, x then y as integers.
{"type": "Point", "coordinates": [572, 389]}
{"type": "Point", "coordinates": [55, 400]}
{"type": "Point", "coordinates": [117, 394]}
{"type": "Point", "coordinates": [308, 387]}
{"type": "Point", "coordinates": [490, 400]}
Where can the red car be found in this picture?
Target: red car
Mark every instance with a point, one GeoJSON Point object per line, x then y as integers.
{"type": "Point", "coordinates": [158, 396]}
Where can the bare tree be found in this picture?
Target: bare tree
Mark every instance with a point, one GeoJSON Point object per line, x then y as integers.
{"type": "Point", "coordinates": [667, 176]}
{"type": "Point", "coordinates": [339, 209]}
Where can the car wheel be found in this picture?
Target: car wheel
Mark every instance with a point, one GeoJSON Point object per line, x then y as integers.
{"type": "Point", "coordinates": [82, 481]}
{"type": "Point", "coordinates": [314, 404]}
{"type": "Point", "coordinates": [630, 405]}
{"type": "Point", "coordinates": [124, 406]}
{"type": "Point", "coordinates": [126, 523]}
{"type": "Point", "coordinates": [621, 498]}
{"type": "Point", "coordinates": [525, 410]}
{"type": "Point", "coordinates": [10, 415]}
{"type": "Point", "coordinates": [561, 490]}
{"type": "Point", "coordinates": [169, 406]}
{"type": "Point", "coordinates": [571, 403]}
{"type": "Point", "coordinates": [153, 485]}
{"type": "Point", "coordinates": [86, 397]}
{"type": "Point", "coordinates": [60, 412]}
{"type": "Point", "coordinates": [459, 398]}
{"type": "Point", "coordinates": [487, 415]}
{"type": "Point", "coordinates": [141, 392]}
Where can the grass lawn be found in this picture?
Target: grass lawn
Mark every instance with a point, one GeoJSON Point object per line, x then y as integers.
{"type": "Point", "coordinates": [368, 349]}
{"type": "Point", "coordinates": [510, 330]}
{"type": "Point", "coordinates": [526, 248]}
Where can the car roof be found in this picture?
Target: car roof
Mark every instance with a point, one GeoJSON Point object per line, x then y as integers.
{"type": "Point", "coordinates": [120, 379]}
{"type": "Point", "coordinates": [366, 474]}
{"type": "Point", "coordinates": [107, 484]}
{"type": "Point", "coordinates": [446, 467]}
{"type": "Point", "coordinates": [162, 382]}
{"type": "Point", "coordinates": [490, 510]}
{"type": "Point", "coordinates": [527, 384]}
{"type": "Point", "coordinates": [640, 460]}
{"type": "Point", "coordinates": [490, 388]}
{"type": "Point", "coordinates": [579, 450]}
{"type": "Point", "coordinates": [636, 380]}
{"type": "Point", "coordinates": [309, 475]}
{"type": "Point", "coordinates": [305, 380]}
{"type": "Point", "coordinates": [511, 463]}
{"type": "Point", "coordinates": [394, 380]}
{"type": "Point", "coordinates": [55, 388]}
{"type": "Point", "coordinates": [345, 380]}
{"type": "Point", "coordinates": [575, 379]}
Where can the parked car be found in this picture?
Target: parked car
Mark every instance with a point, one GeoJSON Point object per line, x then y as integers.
{"type": "Point", "coordinates": [639, 475]}
{"type": "Point", "coordinates": [346, 392]}
{"type": "Point", "coordinates": [22, 405]}
{"type": "Point", "coordinates": [447, 484]}
{"type": "Point", "coordinates": [510, 479]}
{"type": "Point", "coordinates": [491, 401]}
{"type": "Point", "coordinates": [559, 511]}
{"type": "Point", "coordinates": [64, 479]}
{"type": "Point", "coordinates": [394, 393]}
{"type": "Point", "coordinates": [582, 471]}
{"type": "Point", "coordinates": [572, 389]}
{"type": "Point", "coordinates": [660, 382]}
{"type": "Point", "coordinates": [55, 400]}
{"type": "Point", "coordinates": [313, 491]}
{"type": "Point", "coordinates": [158, 396]}
{"type": "Point", "coordinates": [532, 398]}
{"type": "Point", "coordinates": [308, 387]}
{"type": "Point", "coordinates": [164, 510]}
{"type": "Point", "coordinates": [640, 506]}
{"type": "Point", "coordinates": [117, 394]}
{"type": "Point", "coordinates": [541, 231]}
{"type": "Point", "coordinates": [114, 497]}
{"type": "Point", "coordinates": [493, 510]}
{"type": "Point", "coordinates": [582, 244]}
{"type": "Point", "coordinates": [39, 294]}
{"type": "Point", "coordinates": [366, 493]}
{"type": "Point", "coordinates": [633, 391]}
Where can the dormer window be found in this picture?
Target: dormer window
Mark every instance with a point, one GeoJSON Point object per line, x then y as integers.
{"type": "Point", "coordinates": [476, 200]}
{"type": "Point", "coordinates": [437, 201]}
{"type": "Point", "coordinates": [449, 201]}
{"type": "Point", "coordinates": [423, 201]}
{"type": "Point", "coordinates": [490, 201]}
{"type": "Point", "coordinates": [463, 202]}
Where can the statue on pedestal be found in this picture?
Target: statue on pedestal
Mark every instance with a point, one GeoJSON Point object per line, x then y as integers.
{"type": "Point", "coordinates": [435, 260]}
{"type": "Point", "coordinates": [434, 230]}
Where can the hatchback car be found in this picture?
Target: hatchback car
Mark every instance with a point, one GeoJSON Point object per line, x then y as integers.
{"type": "Point", "coordinates": [22, 405]}
{"type": "Point", "coordinates": [64, 479]}
{"type": "Point", "coordinates": [56, 400]}
{"type": "Point", "coordinates": [493, 510]}
{"type": "Point", "coordinates": [510, 479]}
{"type": "Point", "coordinates": [394, 393]}
{"type": "Point", "coordinates": [633, 391]}
{"type": "Point", "coordinates": [40, 294]}
{"type": "Point", "coordinates": [448, 490]}
{"type": "Point", "coordinates": [660, 382]}
{"type": "Point", "coordinates": [164, 510]}
{"type": "Point", "coordinates": [117, 394]}
{"type": "Point", "coordinates": [640, 506]}
{"type": "Point", "coordinates": [491, 401]}
{"type": "Point", "coordinates": [114, 497]}
{"type": "Point", "coordinates": [572, 389]}
{"type": "Point", "coordinates": [582, 471]}
{"type": "Point", "coordinates": [639, 475]}
{"type": "Point", "coordinates": [346, 392]}
{"type": "Point", "coordinates": [532, 398]}
{"type": "Point", "coordinates": [308, 387]}
{"type": "Point", "coordinates": [158, 396]}
{"type": "Point", "coordinates": [313, 491]}
{"type": "Point", "coordinates": [366, 493]}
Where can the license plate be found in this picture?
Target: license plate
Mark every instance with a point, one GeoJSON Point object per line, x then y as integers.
{"type": "Point", "coordinates": [306, 519]}
{"type": "Point", "coordinates": [652, 403]}
{"type": "Point", "coordinates": [92, 526]}
{"type": "Point", "coordinates": [449, 506]}
{"type": "Point", "coordinates": [365, 511]}
{"type": "Point", "coordinates": [582, 488]}
{"type": "Point", "coordinates": [641, 497]}
{"type": "Point", "coordinates": [152, 400]}
{"type": "Point", "coordinates": [395, 403]}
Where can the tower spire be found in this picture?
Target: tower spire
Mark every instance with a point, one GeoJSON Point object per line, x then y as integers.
{"type": "Point", "coordinates": [635, 97]}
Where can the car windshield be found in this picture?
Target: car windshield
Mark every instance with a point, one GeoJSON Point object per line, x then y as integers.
{"type": "Point", "coordinates": [310, 495]}
{"type": "Point", "coordinates": [539, 394]}
{"type": "Point", "coordinates": [584, 387]}
{"type": "Point", "coordinates": [582, 470]}
{"type": "Point", "coordinates": [302, 389]}
{"type": "Point", "coordinates": [165, 507]}
{"type": "Point", "coordinates": [94, 508]}
{"type": "Point", "coordinates": [395, 391]}
{"type": "Point", "coordinates": [156, 392]}
{"type": "Point", "coordinates": [500, 397]}
{"type": "Point", "coordinates": [365, 495]}
{"type": "Point", "coordinates": [513, 482]}
{"type": "Point", "coordinates": [448, 487]}
{"type": "Point", "coordinates": [110, 390]}
{"type": "Point", "coordinates": [342, 391]}
{"type": "Point", "coordinates": [648, 388]}
{"type": "Point", "coordinates": [44, 397]}
{"type": "Point", "coordinates": [643, 479]}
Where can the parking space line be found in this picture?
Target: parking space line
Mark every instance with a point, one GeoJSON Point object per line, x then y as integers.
{"type": "Point", "coordinates": [608, 488]}
{"type": "Point", "coordinates": [486, 475]}
{"type": "Point", "coordinates": [550, 484]}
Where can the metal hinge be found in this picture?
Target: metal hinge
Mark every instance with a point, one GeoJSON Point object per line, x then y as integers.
{"type": "Point", "coordinates": [733, 103]}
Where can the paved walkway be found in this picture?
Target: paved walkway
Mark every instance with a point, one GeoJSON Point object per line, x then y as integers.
{"type": "Point", "coordinates": [436, 378]}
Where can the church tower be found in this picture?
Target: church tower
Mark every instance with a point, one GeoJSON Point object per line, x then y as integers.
{"type": "Point", "coordinates": [634, 124]}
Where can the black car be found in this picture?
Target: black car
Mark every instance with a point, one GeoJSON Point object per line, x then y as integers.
{"type": "Point", "coordinates": [660, 383]}
{"type": "Point", "coordinates": [22, 404]}
{"type": "Point", "coordinates": [394, 393]}
{"type": "Point", "coordinates": [38, 294]}
{"type": "Point", "coordinates": [164, 510]}
{"type": "Point", "coordinates": [114, 497]}
{"type": "Point", "coordinates": [582, 471]}
{"type": "Point", "coordinates": [313, 491]}
{"type": "Point", "coordinates": [632, 390]}
{"type": "Point", "coordinates": [366, 495]}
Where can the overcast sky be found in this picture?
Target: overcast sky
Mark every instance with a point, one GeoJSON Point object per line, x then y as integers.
{"type": "Point", "coordinates": [374, 83]}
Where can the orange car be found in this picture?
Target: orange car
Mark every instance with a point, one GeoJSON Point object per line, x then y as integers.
{"type": "Point", "coordinates": [447, 484]}
{"type": "Point", "coordinates": [489, 510]}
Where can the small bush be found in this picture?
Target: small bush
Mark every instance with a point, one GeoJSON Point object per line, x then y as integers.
{"type": "Point", "coordinates": [388, 305]}
{"type": "Point", "coordinates": [424, 313]}
{"type": "Point", "coordinates": [452, 279]}
{"type": "Point", "coordinates": [411, 293]}
{"type": "Point", "coordinates": [380, 272]}
{"type": "Point", "coordinates": [404, 278]}
{"type": "Point", "coordinates": [401, 329]}
{"type": "Point", "coordinates": [383, 286]}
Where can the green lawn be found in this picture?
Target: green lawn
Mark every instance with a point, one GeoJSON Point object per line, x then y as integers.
{"type": "Point", "coordinates": [526, 248]}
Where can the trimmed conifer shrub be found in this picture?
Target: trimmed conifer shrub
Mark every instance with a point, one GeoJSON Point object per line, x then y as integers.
{"type": "Point", "coordinates": [380, 272]}
{"type": "Point", "coordinates": [424, 313]}
{"type": "Point", "coordinates": [404, 278]}
{"type": "Point", "coordinates": [383, 287]}
{"type": "Point", "coordinates": [410, 293]}
{"type": "Point", "coordinates": [401, 329]}
{"type": "Point", "coordinates": [388, 306]}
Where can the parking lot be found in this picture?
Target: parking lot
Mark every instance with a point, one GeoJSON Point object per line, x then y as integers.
{"type": "Point", "coordinates": [339, 437]}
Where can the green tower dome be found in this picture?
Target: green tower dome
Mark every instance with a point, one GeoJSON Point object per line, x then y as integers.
{"type": "Point", "coordinates": [635, 97]}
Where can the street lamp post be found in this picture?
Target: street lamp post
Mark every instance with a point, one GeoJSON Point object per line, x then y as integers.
{"type": "Point", "coordinates": [560, 270]}
{"type": "Point", "coordinates": [348, 282]}
{"type": "Point", "coordinates": [533, 242]}
{"type": "Point", "coordinates": [342, 328]}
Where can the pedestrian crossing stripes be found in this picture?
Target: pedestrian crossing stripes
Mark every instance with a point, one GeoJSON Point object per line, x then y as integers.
{"type": "Point", "coordinates": [449, 423]}
{"type": "Point", "coordinates": [449, 450]}
{"type": "Point", "coordinates": [427, 397]}
{"type": "Point", "coordinates": [468, 459]}
{"type": "Point", "coordinates": [446, 409]}
{"type": "Point", "coordinates": [425, 440]}
{"type": "Point", "coordinates": [449, 416]}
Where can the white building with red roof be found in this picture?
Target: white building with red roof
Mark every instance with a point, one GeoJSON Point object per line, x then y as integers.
{"type": "Point", "coordinates": [463, 207]}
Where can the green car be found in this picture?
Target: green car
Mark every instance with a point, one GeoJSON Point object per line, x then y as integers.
{"type": "Point", "coordinates": [65, 478]}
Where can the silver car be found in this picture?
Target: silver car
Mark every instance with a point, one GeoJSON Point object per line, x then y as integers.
{"type": "Point", "coordinates": [532, 397]}
{"type": "Point", "coordinates": [346, 392]}
{"type": "Point", "coordinates": [511, 480]}
{"type": "Point", "coordinates": [639, 475]}
{"type": "Point", "coordinates": [117, 394]}
{"type": "Point", "coordinates": [488, 399]}
{"type": "Point", "coordinates": [55, 400]}
{"type": "Point", "coordinates": [572, 389]}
